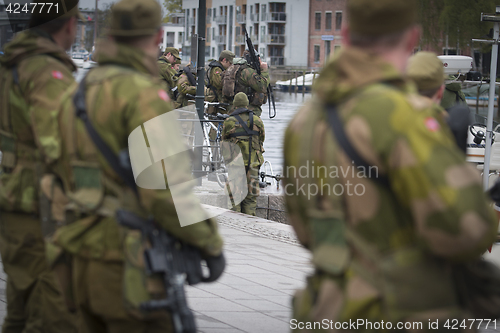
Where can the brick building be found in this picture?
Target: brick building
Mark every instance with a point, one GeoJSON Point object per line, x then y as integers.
{"type": "Point", "coordinates": [325, 21]}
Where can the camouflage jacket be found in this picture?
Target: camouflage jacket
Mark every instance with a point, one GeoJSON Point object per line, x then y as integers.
{"type": "Point", "coordinates": [232, 126]}
{"type": "Point", "coordinates": [185, 87]}
{"type": "Point", "coordinates": [122, 94]}
{"type": "Point", "coordinates": [167, 73]}
{"type": "Point", "coordinates": [28, 113]}
{"type": "Point", "coordinates": [215, 72]}
{"type": "Point", "coordinates": [453, 95]}
{"type": "Point", "coordinates": [251, 83]}
{"type": "Point", "coordinates": [361, 232]}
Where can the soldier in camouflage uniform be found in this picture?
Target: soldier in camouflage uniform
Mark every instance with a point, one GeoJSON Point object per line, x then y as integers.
{"type": "Point", "coordinates": [427, 71]}
{"type": "Point", "coordinates": [214, 75]}
{"type": "Point", "coordinates": [166, 65]}
{"type": "Point", "coordinates": [242, 77]}
{"type": "Point", "coordinates": [186, 85]}
{"type": "Point", "coordinates": [242, 136]}
{"type": "Point", "coordinates": [453, 94]}
{"type": "Point", "coordinates": [120, 95]}
{"type": "Point", "coordinates": [382, 238]}
{"type": "Point", "coordinates": [34, 73]}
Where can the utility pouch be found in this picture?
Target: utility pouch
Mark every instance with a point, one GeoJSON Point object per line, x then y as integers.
{"type": "Point", "coordinates": [8, 149]}
{"type": "Point", "coordinates": [258, 98]}
{"type": "Point", "coordinates": [52, 203]}
{"type": "Point", "coordinates": [138, 286]}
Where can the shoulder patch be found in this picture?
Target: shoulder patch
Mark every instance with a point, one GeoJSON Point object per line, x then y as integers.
{"type": "Point", "coordinates": [163, 95]}
{"type": "Point", "coordinates": [432, 124]}
{"type": "Point", "coordinates": [57, 75]}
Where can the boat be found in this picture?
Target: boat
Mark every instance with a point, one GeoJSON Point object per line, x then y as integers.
{"type": "Point", "coordinates": [302, 82]}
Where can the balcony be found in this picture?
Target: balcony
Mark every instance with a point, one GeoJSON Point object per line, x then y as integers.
{"type": "Point", "coordinates": [208, 19]}
{"type": "Point", "coordinates": [277, 61]}
{"type": "Point", "coordinates": [220, 39]}
{"type": "Point", "coordinates": [273, 39]}
{"type": "Point", "coordinates": [240, 39]}
{"type": "Point", "coordinates": [221, 19]}
{"type": "Point", "coordinates": [254, 17]}
{"type": "Point", "coordinates": [241, 18]}
{"type": "Point", "coordinates": [254, 39]}
{"type": "Point", "coordinates": [274, 17]}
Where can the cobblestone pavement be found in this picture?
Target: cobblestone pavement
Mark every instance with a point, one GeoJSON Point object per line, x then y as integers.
{"type": "Point", "coordinates": [265, 266]}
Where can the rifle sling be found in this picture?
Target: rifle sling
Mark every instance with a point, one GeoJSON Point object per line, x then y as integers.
{"type": "Point", "coordinates": [337, 127]}
{"type": "Point", "coordinates": [113, 160]}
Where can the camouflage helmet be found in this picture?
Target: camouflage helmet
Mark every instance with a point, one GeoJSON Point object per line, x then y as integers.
{"type": "Point", "coordinates": [226, 54]}
{"type": "Point", "coordinates": [426, 70]}
{"type": "Point", "coordinates": [60, 9]}
{"type": "Point", "coordinates": [173, 51]}
{"type": "Point", "coordinates": [131, 18]}
{"type": "Point", "coordinates": [177, 62]}
{"type": "Point", "coordinates": [240, 100]}
{"type": "Point", "coordinates": [380, 17]}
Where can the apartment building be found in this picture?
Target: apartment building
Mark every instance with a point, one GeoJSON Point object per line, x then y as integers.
{"type": "Point", "coordinates": [173, 32]}
{"type": "Point", "coordinates": [325, 22]}
{"type": "Point", "coordinates": [278, 30]}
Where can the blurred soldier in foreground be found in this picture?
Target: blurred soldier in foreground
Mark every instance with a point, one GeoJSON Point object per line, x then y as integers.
{"type": "Point", "coordinates": [246, 130]}
{"type": "Point", "coordinates": [382, 236]}
{"type": "Point", "coordinates": [241, 77]}
{"type": "Point", "coordinates": [118, 96]}
{"type": "Point", "coordinates": [34, 73]}
{"type": "Point", "coordinates": [166, 63]}
{"type": "Point", "coordinates": [214, 77]}
{"type": "Point", "coordinates": [426, 70]}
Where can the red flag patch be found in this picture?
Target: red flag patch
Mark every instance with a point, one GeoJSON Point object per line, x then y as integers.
{"type": "Point", "coordinates": [163, 95]}
{"type": "Point", "coordinates": [57, 75]}
{"type": "Point", "coordinates": [432, 124]}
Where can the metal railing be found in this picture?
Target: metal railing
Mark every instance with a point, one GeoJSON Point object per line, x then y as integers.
{"type": "Point", "coordinates": [277, 61]}
{"type": "Point", "coordinates": [274, 17]}
{"type": "Point", "coordinates": [240, 39]}
{"type": "Point", "coordinates": [255, 39]}
{"type": "Point", "coordinates": [220, 39]}
{"type": "Point", "coordinates": [221, 19]}
{"type": "Point", "coordinates": [254, 17]}
{"type": "Point", "coordinates": [191, 21]}
{"type": "Point", "coordinates": [241, 18]}
{"type": "Point", "coordinates": [275, 39]}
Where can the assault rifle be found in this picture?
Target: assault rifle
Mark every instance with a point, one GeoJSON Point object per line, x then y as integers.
{"type": "Point", "coordinates": [173, 264]}
{"type": "Point", "coordinates": [255, 63]}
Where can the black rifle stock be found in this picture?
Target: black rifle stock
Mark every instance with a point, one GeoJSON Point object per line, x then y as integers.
{"type": "Point", "coordinates": [173, 264]}
{"type": "Point", "coordinates": [255, 63]}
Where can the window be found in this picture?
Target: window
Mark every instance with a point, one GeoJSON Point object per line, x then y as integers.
{"type": "Point", "coordinates": [317, 21]}
{"type": "Point", "coordinates": [209, 12]}
{"type": "Point", "coordinates": [180, 38]}
{"type": "Point", "coordinates": [251, 9]}
{"type": "Point", "coordinates": [262, 53]}
{"type": "Point", "coordinates": [263, 30]}
{"type": "Point", "coordinates": [214, 11]}
{"type": "Point", "coordinates": [237, 51]}
{"type": "Point", "coordinates": [238, 31]}
{"type": "Point", "coordinates": [213, 52]}
{"type": "Point", "coordinates": [208, 35]}
{"type": "Point", "coordinates": [316, 53]}
{"type": "Point", "coordinates": [238, 10]}
{"type": "Point", "coordinates": [213, 32]}
{"type": "Point", "coordinates": [328, 21]}
{"type": "Point", "coordinates": [338, 20]}
{"type": "Point", "coordinates": [328, 49]}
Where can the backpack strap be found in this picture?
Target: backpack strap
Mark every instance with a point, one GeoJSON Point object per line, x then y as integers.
{"type": "Point", "coordinates": [116, 163]}
{"type": "Point", "coordinates": [338, 130]}
{"type": "Point", "coordinates": [249, 132]}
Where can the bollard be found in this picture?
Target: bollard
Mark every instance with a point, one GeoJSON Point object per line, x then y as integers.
{"type": "Point", "coordinates": [296, 83]}
{"type": "Point", "coordinates": [303, 83]}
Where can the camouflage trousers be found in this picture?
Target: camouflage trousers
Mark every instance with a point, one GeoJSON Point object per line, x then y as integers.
{"type": "Point", "coordinates": [34, 301]}
{"type": "Point", "coordinates": [99, 296]}
{"type": "Point", "coordinates": [249, 203]}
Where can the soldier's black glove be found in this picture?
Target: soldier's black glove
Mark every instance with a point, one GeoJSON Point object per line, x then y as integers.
{"type": "Point", "coordinates": [216, 266]}
{"type": "Point", "coordinates": [494, 193]}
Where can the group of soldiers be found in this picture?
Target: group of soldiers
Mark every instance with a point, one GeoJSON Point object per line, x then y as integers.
{"type": "Point", "coordinates": [382, 255]}
{"type": "Point", "coordinates": [243, 91]}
